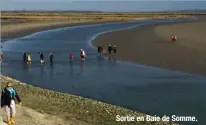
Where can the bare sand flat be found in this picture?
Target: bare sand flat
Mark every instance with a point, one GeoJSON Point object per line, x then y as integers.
{"type": "Point", "coordinates": [15, 29]}
{"type": "Point", "coordinates": [132, 45]}
{"type": "Point", "coordinates": [151, 45]}
{"type": "Point", "coordinates": [17, 24]}
{"type": "Point", "coordinates": [190, 35]}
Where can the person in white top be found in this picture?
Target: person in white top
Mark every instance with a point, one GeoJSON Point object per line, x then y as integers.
{"type": "Point", "coordinates": [82, 54]}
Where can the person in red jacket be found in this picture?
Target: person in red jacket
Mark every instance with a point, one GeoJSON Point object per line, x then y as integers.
{"type": "Point", "coordinates": [174, 37]}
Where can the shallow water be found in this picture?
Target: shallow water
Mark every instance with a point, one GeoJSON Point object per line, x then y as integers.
{"type": "Point", "coordinates": [146, 89]}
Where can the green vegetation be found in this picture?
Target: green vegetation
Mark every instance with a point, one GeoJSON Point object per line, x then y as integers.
{"type": "Point", "coordinates": [97, 16]}
{"type": "Point", "coordinates": [70, 107]}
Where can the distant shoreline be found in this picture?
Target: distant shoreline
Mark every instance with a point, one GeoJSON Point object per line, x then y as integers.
{"type": "Point", "coordinates": [186, 11]}
{"type": "Point", "coordinates": [31, 99]}
{"type": "Point", "coordinates": [19, 24]}
{"type": "Point", "coordinates": [45, 25]}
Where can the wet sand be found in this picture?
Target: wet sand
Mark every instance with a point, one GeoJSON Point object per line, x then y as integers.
{"type": "Point", "coordinates": [148, 45]}
{"type": "Point", "coordinates": [131, 83]}
{"type": "Point", "coordinates": [151, 45]}
{"type": "Point", "coordinates": [15, 29]}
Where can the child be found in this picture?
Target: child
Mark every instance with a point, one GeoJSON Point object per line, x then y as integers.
{"type": "Point", "coordinates": [28, 59]}
{"type": "Point", "coordinates": [8, 96]}
{"type": "Point", "coordinates": [25, 57]}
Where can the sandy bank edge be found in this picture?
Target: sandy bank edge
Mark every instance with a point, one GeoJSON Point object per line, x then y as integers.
{"type": "Point", "coordinates": [141, 32]}
{"type": "Point", "coordinates": [24, 29]}
{"type": "Point", "coordinates": [92, 120]}
{"type": "Point", "coordinates": [73, 108]}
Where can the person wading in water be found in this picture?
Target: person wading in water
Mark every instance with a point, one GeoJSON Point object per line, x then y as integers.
{"type": "Point", "coordinates": [82, 54]}
{"type": "Point", "coordinates": [110, 49]}
{"type": "Point", "coordinates": [71, 56]}
{"type": "Point", "coordinates": [41, 58]}
{"type": "Point", "coordinates": [51, 57]}
{"type": "Point", "coordinates": [100, 50]}
{"type": "Point", "coordinates": [28, 59]}
{"type": "Point", "coordinates": [25, 57]}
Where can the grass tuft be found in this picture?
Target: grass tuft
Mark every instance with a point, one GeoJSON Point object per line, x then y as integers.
{"type": "Point", "coordinates": [71, 107]}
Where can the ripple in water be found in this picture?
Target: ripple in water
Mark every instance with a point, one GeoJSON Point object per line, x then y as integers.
{"type": "Point", "coordinates": [147, 89]}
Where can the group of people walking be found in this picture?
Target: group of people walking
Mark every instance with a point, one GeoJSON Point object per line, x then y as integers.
{"type": "Point", "coordinates": [9, 94]}
{"type": "Point", "coordinates": [111, 49]}
{"type": "Point", "coordinates": [100, 49]}
{"type": "Point", "coordinates": [27, 57]}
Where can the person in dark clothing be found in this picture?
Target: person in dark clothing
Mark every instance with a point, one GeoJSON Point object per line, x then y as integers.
{"type": "Point", "coordinates": [25, 57]}
{"type": "Point", "coordinates": [51, 57]}
{"type": "Point", "coordinates": [8, 96]}
{"type": "Point", "coordinates": [109, 49]}
{"type": "Point", "coordinates": [41, 58]}
{"type": "Point", "coordinates": [100, 49]}
{"type": "Point", "coordinates": [114, 49]}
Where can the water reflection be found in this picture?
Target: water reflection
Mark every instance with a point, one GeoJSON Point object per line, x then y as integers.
{"type": "Point", "coordinates": [82, 66]}
{"type": "Point", "coordinates": [108, 80]}
{"type": "Point", "coordinates": [114, 59]}
{"type": "Point", "coordinates": [42, 70]}
{"type": "Point", "coordinates": [51, 65]}
{"type": "Point", "coordinates": [26, 66]}
{"type": "Point", "coordinates": [51, 70]}
{"type": "Point", "coordinates": [71, 68]}
{"type": "Point", "coordinates": [110, 57]}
